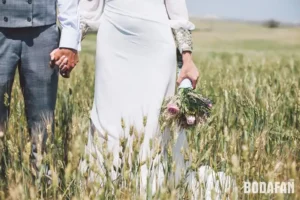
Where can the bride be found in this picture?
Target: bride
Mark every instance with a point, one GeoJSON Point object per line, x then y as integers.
{"type": "Point", "coordinates": [135, 71]}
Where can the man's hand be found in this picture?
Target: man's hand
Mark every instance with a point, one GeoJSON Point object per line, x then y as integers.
{"type": "Point", "coordinates": [189, 70]}
{"type": "Point", "coordinates": [65, 59]}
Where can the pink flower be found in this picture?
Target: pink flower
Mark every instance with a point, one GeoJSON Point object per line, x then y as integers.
{"type": "Point", "coordinates": [210, 105]}
{"type": "Point", "coordinates": [173, 109]}
{"type": "Point", "coordinates": [190, 120]}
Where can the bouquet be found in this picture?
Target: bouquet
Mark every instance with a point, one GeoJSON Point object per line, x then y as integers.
{"type": "Point", "coordinates": [186, 109]}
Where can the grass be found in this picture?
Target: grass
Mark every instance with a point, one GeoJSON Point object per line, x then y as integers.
{"type": "Point", "coordinates": [253, 76]}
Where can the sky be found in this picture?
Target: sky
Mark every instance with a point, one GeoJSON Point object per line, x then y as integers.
{"type": "Point", "coordinates": [258, 10]}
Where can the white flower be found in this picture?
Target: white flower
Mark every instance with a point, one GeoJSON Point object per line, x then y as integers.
{"type": "Point", "coordinates": [190, 120]}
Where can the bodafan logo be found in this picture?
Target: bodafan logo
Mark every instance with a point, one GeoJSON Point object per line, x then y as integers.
{"type": "Point", "coordinates": [269, 187]}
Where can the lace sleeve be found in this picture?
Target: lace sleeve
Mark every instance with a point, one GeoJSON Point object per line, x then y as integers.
{"type": "Point", "coordinates": [183, 38]}
{"type": "Point", "coordinates": [180, 23]}
{"type": "Point", "coordinates": [83, 29]}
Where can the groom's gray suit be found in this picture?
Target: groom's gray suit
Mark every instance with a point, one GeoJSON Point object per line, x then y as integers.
{"type": "Point", "coordinates": [28, 34]}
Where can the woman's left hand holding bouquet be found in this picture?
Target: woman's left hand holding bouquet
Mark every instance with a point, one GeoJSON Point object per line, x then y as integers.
{"type": "Point", "coordinates": [189, 69]}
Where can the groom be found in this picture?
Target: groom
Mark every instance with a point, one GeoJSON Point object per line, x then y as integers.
{"type": "Point", "coordinates": [28, 34]}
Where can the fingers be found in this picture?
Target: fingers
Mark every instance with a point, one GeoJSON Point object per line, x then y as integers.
{"type": "Point", "coordinates": [65, 61]}
{"type": "Point", "coordinates": [52, 54]}
{"type": "Point", "coordinates": [74, 60]}
{"type": "Point", "coordinates": [65, 74]}
{"type": "Point", "coordinates": [68, 66]}
{"type": "Point", "coordinates": [181, 77]}
{"type": "Point", "coordinates": [65, 68]}
{"type": "Point", "coordinates": [192, 77]}
{"type": "Point", "coordinates": [194, 83]}
{"type": "Point", "coordinates": [194, 80]}
{"type": "Point", "coordinates": [66, 71]}
{"type": "Point", "coordinates": [72, 57]}
{"type": "Point", "coordinates": [62, 61]}
{"type": "Point", "coordinates": [55, 55]}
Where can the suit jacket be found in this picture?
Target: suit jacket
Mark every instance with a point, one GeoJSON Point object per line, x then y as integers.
{"type": "Point", "coordinates": [30, 13]}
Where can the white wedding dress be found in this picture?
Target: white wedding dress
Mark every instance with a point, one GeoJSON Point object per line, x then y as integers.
{"type": "Point", "coordinates": [135, 71]}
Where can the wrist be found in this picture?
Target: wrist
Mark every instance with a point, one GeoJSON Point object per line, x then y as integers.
{"type": "Point", "coordinates": [70, 49]}
{"type": "Point", "coordinates": [187, 56]}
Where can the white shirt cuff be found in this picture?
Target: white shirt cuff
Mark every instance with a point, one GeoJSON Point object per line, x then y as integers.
{"type": "Point", "coordinates": [70, 39]}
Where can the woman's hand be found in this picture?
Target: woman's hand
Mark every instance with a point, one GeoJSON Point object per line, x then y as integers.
{"type": "Point", "coordinates": [189, 70]}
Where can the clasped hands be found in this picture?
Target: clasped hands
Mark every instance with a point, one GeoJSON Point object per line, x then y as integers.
{"type": "Point", "coordinates": [64, 58]}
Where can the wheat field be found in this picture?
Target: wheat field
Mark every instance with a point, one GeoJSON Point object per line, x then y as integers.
{"type": "Point", "coordinates": [251, 73]}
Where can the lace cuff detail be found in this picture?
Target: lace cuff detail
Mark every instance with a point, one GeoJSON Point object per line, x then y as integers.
{"type": "Point", "coordinates": [183, 38]}
{"type": "Point", "coordinates": [84, 30]}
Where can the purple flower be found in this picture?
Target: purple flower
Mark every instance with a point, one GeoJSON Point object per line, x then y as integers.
{"type": "Point", "coordinates": [173, 109]}
{"type": "Point", "coordinates": [190, 120]}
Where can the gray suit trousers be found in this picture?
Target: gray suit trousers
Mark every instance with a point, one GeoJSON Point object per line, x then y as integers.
{"type": "Point", "coordinates": [28, 49]}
